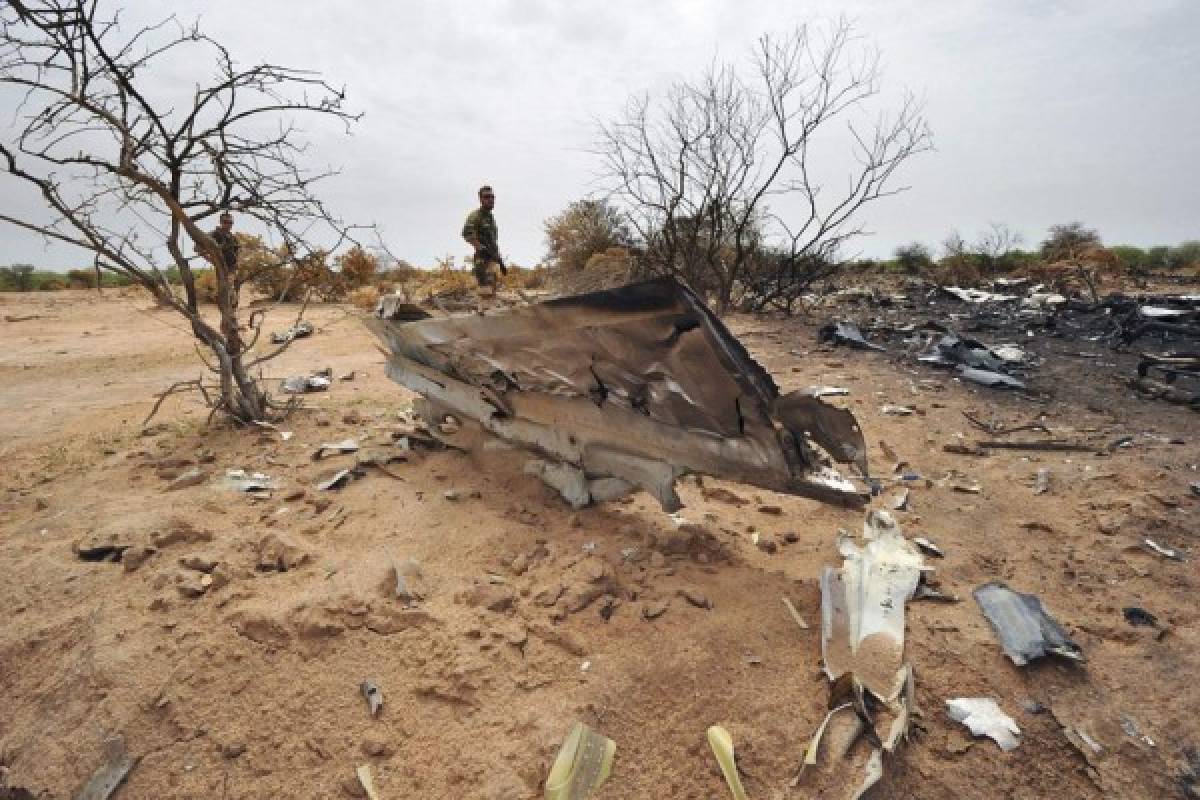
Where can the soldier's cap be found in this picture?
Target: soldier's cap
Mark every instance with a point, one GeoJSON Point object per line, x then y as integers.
{"type": "Point", "coordinates": [485, 190]}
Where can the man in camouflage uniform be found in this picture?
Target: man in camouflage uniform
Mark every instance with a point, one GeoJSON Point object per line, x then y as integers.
{"type": "Point", "coordinates": [228, 244]}
{"type": "Point", "coordinates": [481, 232]}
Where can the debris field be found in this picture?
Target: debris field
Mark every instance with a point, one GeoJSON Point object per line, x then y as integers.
{"type": "Point", "coordinates": [358, 602]}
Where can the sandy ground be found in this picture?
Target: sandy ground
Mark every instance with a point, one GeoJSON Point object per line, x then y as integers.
{"type": "Point", "coordinates": [251, 690]}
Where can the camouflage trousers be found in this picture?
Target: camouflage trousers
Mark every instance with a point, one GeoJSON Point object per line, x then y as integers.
{"type": "Point", "coordinates": [485, 272]}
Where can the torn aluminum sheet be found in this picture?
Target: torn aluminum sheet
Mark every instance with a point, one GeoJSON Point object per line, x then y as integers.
{"type": "Point", "coordinates": [826, 391]}
{"type": "Point", "coordinates": [862, 607]}
{"type": "Point", "coordinates": [1160, 312]}
{"type": "Point", "coordinates": [109, 775]}
{"type": "Point", "coordinates": [845, 334]}
{"type": "Point", "coordinates": [335, 480]}
{"type": "Point", "coordinates": [258, 484]}
{"type": "Point", "coordinates": [994, 380]}
{"type": "Point", "coordinates": [335, 448]}
{"type": "Point", "coordinates": [300, 330]}
{"type": "Point", "coordinates": [984, 718]}
{"type": "Point", "coordinates": [581, 766]}
{"type": "Point", "coordinates": [977, 296]}
{"type": "Point", "coordinates": [928, 547]}
{"type": "Point", "coordinates": [300, 384]}
{"type": "Point", "coordinates": [721, 743]}
{"type": "Point", "coordinates": [373, 695]}
{"type": "Point", "coordinates": [1162, 550]}
{"type": "Point", "coordinates": [642, 384]}
{"type": "Point", "coordinates": [1026, 631]}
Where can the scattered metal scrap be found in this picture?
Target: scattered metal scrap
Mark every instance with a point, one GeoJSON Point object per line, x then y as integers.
{"type": "Point", "coordinates": [847, 335]}
{"type": "Point", "coordinates": [1026, 631]}
{"type": "Point", "coordinates": [373, 695]}
{"type": "Point", "coordinates": [581, 766]}
{"type": "Point", "coordinates": [623, 389]}
{"type": "Point", "coordinates": [1162, 550]}
{"type": "Point", "coordinates": [862, 644]}
{"type": "Point", "coordinates": [109, 775]}
{"type": "Point", "coordinates": [335, 448]}
{"type": "Point", "coordinates": [721, 743]}
{"type": "Point", "coordinates": [984, 718]}
{"type": "Point", "coordinates": [257, 484]}
{"type": "Point", "coordinates": [300, 330]}
{"type": "Point", "coordinates": [313, 382]}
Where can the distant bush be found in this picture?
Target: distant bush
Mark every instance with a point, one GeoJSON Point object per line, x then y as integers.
{"type": "Point", "coordinates": [357, 267]}
{"type": "Point", "coordinates": [1068, 241]}
{"type": "Point", "coordinates": [292, 281]}
{"type": "Point", "coordinates": [913, 257]}
{"type": "Point", "coordinates": [206, 286]}
{"type": "Point", "coordinates": [365, 297]}
{"type": "Point", "coordinates": [52, 285]}
{"type": "Point", "coordinates": [81, 279]}
{"type": "Point", "coordinates": [17, 278]}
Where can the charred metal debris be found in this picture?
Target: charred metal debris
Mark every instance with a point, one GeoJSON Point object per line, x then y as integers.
{"type": "Point", "coordinates": [1152, 340]}
{"type": "Point", "coordinates": [618, 390]}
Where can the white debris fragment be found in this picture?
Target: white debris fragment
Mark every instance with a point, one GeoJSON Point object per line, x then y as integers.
{"type": "Point", "coordinates": [1165, 552]}
{"type": "Point", "coordinates": [984, 718]}
{"type": "Point", "coordinates": [1042, 482]}
{"type": "Point", "coordinates": [827, 391]}
{"type": "Point", "coordinates": [897, 411]}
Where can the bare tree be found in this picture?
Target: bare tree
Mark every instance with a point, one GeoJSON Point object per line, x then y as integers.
{"type": "Point", "coordinates": [718, 176]}
{"type": "Point", "coordinates": [997, 241]}
{"type": "Point", "coordinates": [132, 172]}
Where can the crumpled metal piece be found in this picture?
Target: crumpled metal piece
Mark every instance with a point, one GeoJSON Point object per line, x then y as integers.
{"type": "Point", "coordinates": [994, 380]}
{"type": "Point", "coordinates": [1026, 631]}
{"type": "Point", "coordinates": [984, 717]}
{"type": "Point", "coordinates": [313, 382]}
{"type": "Point", "coordinates": [641, 383]}
{"type": "Point", "coordinates": [846, 334]}
{"type": "Point", "coordinates": [300, 330]}
{"type": "Point", "coordinates": [862, 606]}
{"type": "Point", "coordinates": [109, 775]}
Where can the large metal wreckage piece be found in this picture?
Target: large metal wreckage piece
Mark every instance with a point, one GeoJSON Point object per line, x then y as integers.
{"type": "Point", "coordinates": [619, 390]}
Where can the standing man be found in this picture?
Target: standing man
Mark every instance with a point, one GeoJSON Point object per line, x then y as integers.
{"type": "Point", "coordinates": [223, 234]}
{"type": "Point", "coordinates": [227, 245]}
{"type": "Point", "coordinates": [481, 232]}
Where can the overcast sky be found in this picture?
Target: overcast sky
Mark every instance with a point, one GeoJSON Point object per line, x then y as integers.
{"type": "Point", "coordinates": [1043, 111]}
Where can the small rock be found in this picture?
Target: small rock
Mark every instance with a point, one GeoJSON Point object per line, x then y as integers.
{"type": "Point", "coordinates": [40, 504]}
{"type": "Point", "coordinates": [220, 577]}
{"type": "Point", "coordinates": [408, 582]}
{"type": "Point", "coordinates": [278, 553]}
{"type": "Point", "coordinates": [192, 584]}
{"type": "Point", "coordinates": [135, 556]}
{"type": "Point", "coordinates": [198, 563]}
{"type": "Point", "coordinates": [519, 564]}
{"type": "Point", "coordinates": [351, 785]}
{"type": "Point", "coordinates": [654, 609]}
{"type": "Point", "coordinates": [206, 457]}
{"type": "Point", "coordinates": [377, 748]}
{"type": "Point", "coordinates": [324, 421]}
{"type": "Point", "coordinates": [791, 537]}
{"type": "Point", "coordinates": [517, 637]}
{"type": "Point", "coordinates": [294, 495]}
{"type": "Point", "coordinates": [451, 494]}
{"type": "Point", "coordinates": [232, 749]}
{"type": "Point", "coordinates": [352, 418]}
{"type": "Point", "coordinates": [192, 477]}
{"type": "Point", "coordinates": [774, 511]}
{"type": "Point", "coordinates": [657, 560]}
{"type": "Point", "coordinates": [490, 596]}
{"type": "Point", "coordinates": [548, 596]}
{"type": "Point", "coordinates": [696, 598]}
{"type": "Point", "coordinates": [768, 545]}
